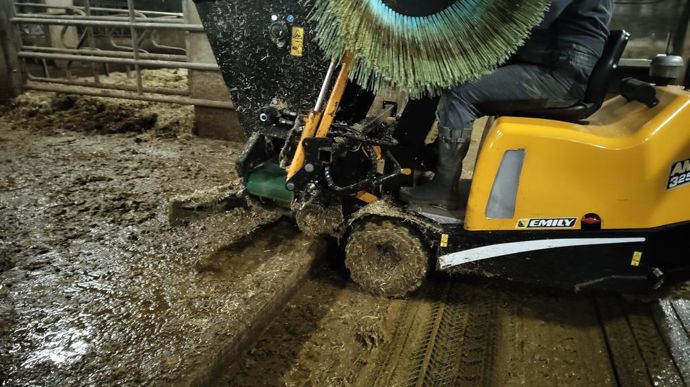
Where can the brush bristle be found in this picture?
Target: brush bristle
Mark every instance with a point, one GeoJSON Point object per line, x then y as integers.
{"type": "Point", "coordinates": [424, 55]}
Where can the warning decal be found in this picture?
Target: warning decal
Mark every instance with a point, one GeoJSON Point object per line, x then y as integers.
{"type": "Point", "coordinates": [680, 174]}
{"type": "Point", "coordinates": [547, 223]}
{"type": "Point", "coordinates": [297, 47]}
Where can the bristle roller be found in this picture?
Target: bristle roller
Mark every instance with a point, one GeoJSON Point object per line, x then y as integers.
{"type": "Point", "coordinates": [424, 55]}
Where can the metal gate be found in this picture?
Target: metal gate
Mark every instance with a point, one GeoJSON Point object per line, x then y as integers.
{"type": "Point", "coordinates": [72, 46]}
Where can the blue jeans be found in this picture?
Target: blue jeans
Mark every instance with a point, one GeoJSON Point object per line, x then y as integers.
{"type": "Point", "coordinates": [531, 86]}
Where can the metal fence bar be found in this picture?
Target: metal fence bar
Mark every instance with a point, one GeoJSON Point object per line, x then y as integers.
{"type": "Point", "coordinates": [106, 23]}
{"type": "Point", "coordinates": [11, 76]}
{"type": "Point", "coordinates": [634, 62]}
{"type": "Point", "coordinates": [139, 25]}
{"type": "Point", "coordinates": [99, 9]}
{"type": "Point", "coordinates": [96, 17]}
{"type": "Point", "coordinates": [145, 89]}
{"type": "Point", "coordinates": [187, 38]}
{"type": "Point", "coordinates": [100, 92]}
{"type": "Point", "coordinates": [107, 53]}
{"type": "Point", "coordinates": [92, 42]}
{"type": "Point", "coordinates": [17, 44]}
{"type": "Point", "coordinates": [125, 61]}
{"type": "Point", "coordinates": [135, 44]}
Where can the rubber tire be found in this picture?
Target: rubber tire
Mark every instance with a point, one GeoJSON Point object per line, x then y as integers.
{"type": "Point", "coordinates": [386, 257]}
{"type": "Point", "coordinates": [318, 221]}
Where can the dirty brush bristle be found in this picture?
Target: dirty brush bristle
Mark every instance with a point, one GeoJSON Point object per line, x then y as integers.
{"type": "Point", "coordinates": [456, 41]}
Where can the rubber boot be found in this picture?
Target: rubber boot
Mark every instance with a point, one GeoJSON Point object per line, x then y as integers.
{"type": "Point", "coordinates": [442, 191]}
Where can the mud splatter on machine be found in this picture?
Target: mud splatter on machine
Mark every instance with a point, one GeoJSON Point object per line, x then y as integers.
{"type": "Point", "coordinates": [593, 196]}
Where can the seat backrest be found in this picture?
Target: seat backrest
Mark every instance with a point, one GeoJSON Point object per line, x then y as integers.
{"type": "Point", "coordinates": [606, 66]}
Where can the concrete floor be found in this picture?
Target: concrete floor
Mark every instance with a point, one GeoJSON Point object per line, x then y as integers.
{"type": "Point", "coordinates": [95, 286]}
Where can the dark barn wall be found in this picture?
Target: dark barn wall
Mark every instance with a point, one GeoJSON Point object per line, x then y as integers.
{"type": "Point", "coordinates": [651, 23]}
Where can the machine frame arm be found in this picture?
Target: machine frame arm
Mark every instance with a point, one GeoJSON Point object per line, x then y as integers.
{"type": "Point", "coordinates": [322, 119]}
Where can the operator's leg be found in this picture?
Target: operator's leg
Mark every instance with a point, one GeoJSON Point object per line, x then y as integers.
{"type": "Point", "coordinates": [529, 85]}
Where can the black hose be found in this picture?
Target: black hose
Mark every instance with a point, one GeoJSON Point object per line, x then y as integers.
{"type": "Point", "coordinates": [352, 188]}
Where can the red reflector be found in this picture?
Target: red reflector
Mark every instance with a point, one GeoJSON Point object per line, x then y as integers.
{"type": "Point", "coordinates": [591, 220]}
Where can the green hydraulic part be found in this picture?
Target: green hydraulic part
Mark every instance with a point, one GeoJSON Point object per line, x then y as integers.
{"type": "Point", "coordinates": [268, 181]}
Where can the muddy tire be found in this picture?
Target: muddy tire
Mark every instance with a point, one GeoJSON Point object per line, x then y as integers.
{"type": "Point", "coordinates": [387, 258]}
{"type": "Point", "coordinates": [319, 221]}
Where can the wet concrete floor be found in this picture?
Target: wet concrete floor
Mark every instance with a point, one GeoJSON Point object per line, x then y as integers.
{"type": "Point", "coordinates": [468, 332]}
{"type": "Point", "coordinates": [96, 288]}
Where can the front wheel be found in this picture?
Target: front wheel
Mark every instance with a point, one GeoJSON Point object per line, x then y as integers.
{"type": "Point", "coordinates": [386, 257]}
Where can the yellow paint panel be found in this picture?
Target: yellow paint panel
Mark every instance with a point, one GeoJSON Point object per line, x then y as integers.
{"type": "Point", "coordinates": [336, 96]}
{"type": "Point", "coordinates": [367, 197]}
{"type": "Point", "coordinates": [636, 259]}
{"type": "Point", "coordinates": [297, 46]}
{"type": "Point", "coordinates": [444, 240]}
{"type": "Point", "coordinates": [617, 167]}
{"type": "Point", "coordinates": [310, 126]}
{"type": "Point", "coordinates": [319, 123]}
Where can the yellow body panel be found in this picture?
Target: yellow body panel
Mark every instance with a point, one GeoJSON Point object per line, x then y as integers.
{"type": "Point", "coordinates": [310, 126]}
{"type": "Point", "coordinates": [618, 166]}
{"type": "Point", "coordinates": [319, 123]}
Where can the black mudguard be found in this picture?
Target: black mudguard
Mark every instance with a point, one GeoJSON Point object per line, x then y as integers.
{"type": "Point", "coordinates": [657, 259]}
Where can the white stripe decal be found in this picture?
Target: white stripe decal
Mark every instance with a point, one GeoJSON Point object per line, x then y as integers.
{"type": "Point", "coordinates": [492, 251]}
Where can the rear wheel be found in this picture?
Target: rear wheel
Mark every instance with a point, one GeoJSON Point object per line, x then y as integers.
{"type": "Point", "coordinates": [386, 257]}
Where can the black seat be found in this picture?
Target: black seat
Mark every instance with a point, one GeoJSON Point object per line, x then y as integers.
{"type": "Point", "coordinates": [597, 87]}
{"type": "Point", "coordinates": [596, 90]}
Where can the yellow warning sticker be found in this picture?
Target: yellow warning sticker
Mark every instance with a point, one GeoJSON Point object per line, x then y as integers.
{"type": "Point", "coordinates": [636, 259]}
{"type": "Point", "coordinates": [444, 240]}
{"type": "Point", "coordinates": [297, 47]}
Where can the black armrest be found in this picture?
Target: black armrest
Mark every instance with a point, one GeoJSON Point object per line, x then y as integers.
{"type": "Point", "coordinates": [575, 113]}
{"type": "Point", "coordinates": [635, 90]}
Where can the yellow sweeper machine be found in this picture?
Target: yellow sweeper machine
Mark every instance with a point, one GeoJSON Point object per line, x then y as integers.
{"type": "Point", "coordinates": [593, 196]}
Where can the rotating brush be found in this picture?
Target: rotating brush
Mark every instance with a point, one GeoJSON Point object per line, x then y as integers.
{"type": "Point", "coordinates": [423, 47]}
